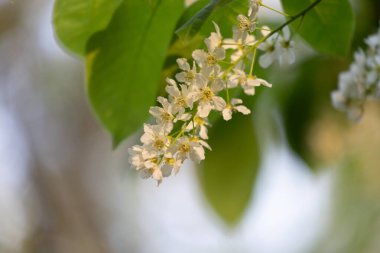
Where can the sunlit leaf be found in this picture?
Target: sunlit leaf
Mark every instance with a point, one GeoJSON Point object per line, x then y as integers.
{"type": "Point", "coordinates": [124, 63]}
{"type": "Point", "coordinates": [328, 28]}
{"type": "Point", "coordinates": [228, 173]}
{"type": "Point", "coordinates": [76, 20]}
{"type": "Point", "coordinates": [219, 11]}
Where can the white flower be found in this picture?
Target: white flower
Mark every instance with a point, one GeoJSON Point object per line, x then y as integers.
{"type": "Point", "coordinates": [179, 98]}
{"type": "Point", "coordinates": [361, 82]}
{"type": "Point", "coordinates": [353, 108]}
{"type": "Point", "coordinates": [238, 44]}
{"type": "Point", "coordinates": [350, 96]}
{"type": "Point", "coordinates": [152, 159]}
{"type": "Point", "coordinates": [270, 52]}
{"type": "Point", "coordinates": [207, 98]}
{"type": "Point", "coordinates": [248, 83]}
{"type": "Point", "coordinates": [170, 162]}
{"type": "Point", "coordinates": [373, 74]}
{"type": "Point", "coordinates": [154, 172]}
{"type": "Point", "coordinates": [191, 147]}
{"type": "Point", "coordinates": [234, 106]}
{"type": "Point", "coordinates": [137, 156]}
{"type": "Point", "coordinates": [373, 43]}
{"type": "Point", "coordinates": [215, 39]}
{"type": "Point", "coordinates": [245, 26]}
{"type": "Point", "coordinates": [146, 162]}
{"type": "Point", "coordinates": [286, 50]}
{"type": "Point", "coordinates": [200, 123]}
{"type": "Point", "coordinates": [164, 115]}
{"type": "Point", "coordinates": [351, 86]}
{"type": "Point", "coordinates": [210, 58]}
{"type": "Point", "coordinates": [215, 51]}
{"type": "Point", "coordinates": [188, 74]}
{"type": "Point", "coordinates": [253, 8]}
{"type": "Point", "coordinates": [155, 137]}
{"type": "Point", "coordinates": [210, 74]}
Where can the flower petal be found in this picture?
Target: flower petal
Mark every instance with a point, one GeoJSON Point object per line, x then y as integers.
{"type": "Point", "coordinates": [227, 114]}
{"type": "Point", "coordinates": [183, 64]}
{"type": "Point", "coordinates": [219, 103]}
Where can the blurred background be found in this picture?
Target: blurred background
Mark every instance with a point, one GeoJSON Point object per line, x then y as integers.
{"type": "Point", "coordinates": [63, 189]}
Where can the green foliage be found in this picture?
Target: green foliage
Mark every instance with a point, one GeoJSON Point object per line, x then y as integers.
{"type": "Point", "coordinates": [198, 17]}
{"type": "Point", "coordinates": [304, 100]}
{"type": "Point", "coordinates": [125, 60]}
{"type": "Point", "coordinates": [229, 171]}
{"type": "Point", "coordinates": [195, 21]}
{"type": "Point", "coordinates": [328, 28]}
{"type": "Point", "coordinates": [75, 21]}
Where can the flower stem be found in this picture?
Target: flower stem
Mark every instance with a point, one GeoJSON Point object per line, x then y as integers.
{"type": "Point", "coordinates": [253, 62]}
{"type": "Point", "coordinates": [289, 21]}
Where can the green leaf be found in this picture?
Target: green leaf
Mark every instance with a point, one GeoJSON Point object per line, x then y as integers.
{"type": "Point", "coordinates": [328, 28]}
{"type": "Point", "coordinates": [305, 101]}
{"type": "Point", "coordinates": [76, 20]}
{"type": "Point", "coordinates": [192, 26]}
{"type": "Point", "coordinates": [124, 63]}
{"type": "Point", "coordinates": [228, 173]}
{"type": "Point", "coordinates": [215, 10]}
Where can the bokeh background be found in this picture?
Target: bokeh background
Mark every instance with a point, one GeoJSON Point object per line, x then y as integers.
{"type": "Point", "coordinates": [63, 189]}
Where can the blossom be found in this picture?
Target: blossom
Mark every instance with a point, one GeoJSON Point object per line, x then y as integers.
{"type": "Point", "coordinates": [155, 137]}
{"type": "Point", "coordinates": [234, 106]}
{"type": "Point", "coordinates": [270, 51]}
{"type": "Point", "coordinates": [210, 58]}
{"type": "Point", "coordinates": [279, 48]}
{"type": "Point", "coordinates": [361, 82]}
{"type": "Point", "coordinates": [164, 115]}
{"type": "Point", "coordinates": [349, 97]}
{"type": "Point", "coordinates": [253, 8]}
{"type": "Point", "coordinates": [180, 98]}
{"type": "Point", "coordinates": [215, 52]}
{"type": "Point", "coordinates": [245, 26]}
{"type": "Point", "coordinates": [215, 39]}
{"type": "Point", "coordinates": [146, 162]}
{"type": "Point", "coordinates": [238, 44]}
{"type": "Point", "coordinates": [207, 98]}
{"type": "Point", "coordinates": [286, 49]}
{"type": "Point", "coordinates": [170, 162]}
{"type": "Point", "coordinates": [247, 82]}
{"type": "Point", "coordinates": [353, 108]}
{"type": "Point", "coordinates": [191, 147]}
{"type": "Point", "coordinates": [201, 124]}
{"type": "Point", "coordinates": [181, 118]}
{"type": "Point", "coordinates": [188, 74]}
{"type": "Point", "coordinates": [137, 156]}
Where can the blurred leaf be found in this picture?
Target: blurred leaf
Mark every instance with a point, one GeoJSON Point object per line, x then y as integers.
{"type": "Point", "coordinates": [76, 21]}
{"type": "Point", "coordinates": [328, 28]}
{"type": "Point", "coordinates": [303, 101]}
{"type": "Point", "coordinates": [193, 24]}
{"type": "Point", "coordinates": [229, 170]}
{"type": "Point", "coordinates": [300, 109]}
{"type": "Point", "coordinates": [218, 11]}
{"type": "Point", "coordinates": [124, 63]}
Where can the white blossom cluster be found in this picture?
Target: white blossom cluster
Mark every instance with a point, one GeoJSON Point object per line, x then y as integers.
{"type": "Point", "coordinates": [361, 81]}
{"type": "Point", "coordinates": [202, 86]}
{"type": "Point", "coordinates": [279, 48]}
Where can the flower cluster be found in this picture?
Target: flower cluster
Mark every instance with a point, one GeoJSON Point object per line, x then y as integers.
{"type": "Point", "coordinates": [279, 48]}
{"type": "Point", "coordinates": [361, 81]}
{"type": "Point", "coordinates": [202, 86]}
